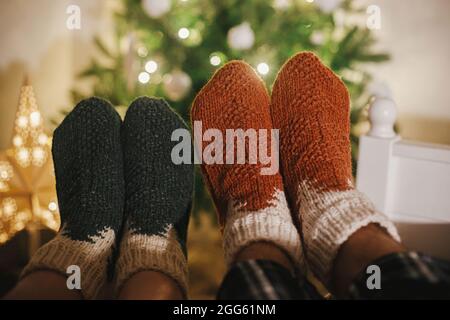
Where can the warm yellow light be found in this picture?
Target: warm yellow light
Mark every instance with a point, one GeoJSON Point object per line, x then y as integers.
{"type": "Point", "coordinates": [143, 77]}
{"type": "Point", "coordinates": [151, 66]}
{"type": "Point", "coordinates": [23, 156]}
{"type": "Point", "coordinates": [184, 33]}
{"type": "Point", "coordinates": [22, 122]}
{"type": "Point", "coordinates": [17, 141]}
{"type": "Point", "coordinates": [6, 171]}
{"type": "Point", "coordinates": [263, 68]}
{"type": "Point", "coordinates": [35, 118]}
{"type": "Point", "coordinates": [38, 156]}
{"type": "Point", "coordinates": [9, 207]}
{"type": "Point", "coordinates": [42, 139]}
{"type": "Point", "coordinates": [215, 60]}
{"type": "Point", "coordinates": [52, 206]}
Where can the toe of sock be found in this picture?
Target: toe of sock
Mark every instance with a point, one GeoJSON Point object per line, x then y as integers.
{"type": "Point", "coordinates": [91, 120]}
{"type": "Point", "coordinates": [148, 112]}
{"type": "Point", "coordinates": [90, 117]}
{"type": "Point", "coordinates": [302, 61]}
{"type": "Point", "coordinates": [94, 108]}
{"type": "Point", "coordinates": [305, 69]}
{"type": "Point", "coordinates": [238, 70]}
{"type": "Point", "coordinates": [305, 78]}
{"type": "Point", "coordinates": [227, 83]}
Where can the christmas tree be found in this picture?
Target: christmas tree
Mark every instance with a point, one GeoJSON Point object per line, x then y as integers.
{"type": "Point", "coordinates": [170, 48]}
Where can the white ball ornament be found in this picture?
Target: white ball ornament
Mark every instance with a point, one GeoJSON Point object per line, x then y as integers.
{"type": "Point", "coordinates": [156, 8]}
{"type": "Point", "coordinates": [176, 85]}
{"type": "Point", "coordinates": [328, 6]}
{"type": "Point", "coordinates": [382, 116]}
{"type": "Point", "coordinates": [241, 37]}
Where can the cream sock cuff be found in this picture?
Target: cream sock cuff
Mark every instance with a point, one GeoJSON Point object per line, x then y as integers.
{"type": "Point", "coordinates": [272, 224]}
{"type": "Point", "coordinates": [162, 253]}
{"type": "Point", "coordinates": [91, 257]}
{"type": "Point", "coordinates": [329, 218]}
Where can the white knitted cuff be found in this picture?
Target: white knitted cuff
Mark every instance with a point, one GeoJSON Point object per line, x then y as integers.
{"type": "Point", "coordinates": [162, 253]}
{"type": "Point", "coordinates": [271, 224]}
{"type": "Point", "coordinates": [91, 257]}
{"type": "Point", "coordinates": [329, 218]}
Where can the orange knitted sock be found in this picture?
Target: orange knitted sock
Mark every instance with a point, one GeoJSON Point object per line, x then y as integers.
{"type": "Point", "coordinates": [251, 206]}
{"type": "Point", "coordinates": [310, 105]}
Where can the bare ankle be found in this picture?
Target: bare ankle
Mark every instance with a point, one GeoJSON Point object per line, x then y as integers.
{"type": "Point", "coordinates": [265, 251]}
{"type": "Point", "coordinates": [150, 285]}
{"type": "Point", "coordinates": [364, 246]}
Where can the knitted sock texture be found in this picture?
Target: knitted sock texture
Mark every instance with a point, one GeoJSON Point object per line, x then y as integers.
{"type": "Point", "coordinates": [158, 194]}
{"type": "Point", "coordinates": [87, 156]}
{"type": "Point", "coordinates": [251, 207]}
{"type": "Point", "coordinates": [310, 105]}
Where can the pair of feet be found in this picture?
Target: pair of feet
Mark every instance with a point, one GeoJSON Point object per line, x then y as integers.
{"type": "Point", "coordinates": [310, 107]}
{"type": "Point", "coordinates": [117, 183]}
{"type": "Point", "coordinates": [124, 205]}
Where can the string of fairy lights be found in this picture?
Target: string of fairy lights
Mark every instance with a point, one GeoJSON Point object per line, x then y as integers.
{"type": "Point", "coordinates": [240, 37]}
{"type": "Point", "coordinates": [30, 150]}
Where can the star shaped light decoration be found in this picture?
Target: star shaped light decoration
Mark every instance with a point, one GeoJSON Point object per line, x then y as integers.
{"type": "Point", "coordinates": [27, 182]}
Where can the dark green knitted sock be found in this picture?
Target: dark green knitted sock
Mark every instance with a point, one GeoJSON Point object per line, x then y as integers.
{"type": "Point", "coordinates": [158, 194]}
{"type": "Point", "coordinates": [87, 156]}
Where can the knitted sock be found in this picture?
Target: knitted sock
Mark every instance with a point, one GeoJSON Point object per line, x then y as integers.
{"type": "Point", "coordinates": [158, 194]}
{"type": "Point", "coordinates": [89, 181]}
{"type": "Point", "coordinates": [310, 105]}
{"type": "Point", "coordinates": [251, 207]}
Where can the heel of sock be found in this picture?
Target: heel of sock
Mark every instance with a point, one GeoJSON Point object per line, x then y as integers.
{"type": "Point", "coordinates": [162, 253]}
{"type": "Point", "coordinates": [330, 218]}
{"type": "Point", "coordinates": [271, 224]}
{"type": "Point", "coordinates": [90, 256]}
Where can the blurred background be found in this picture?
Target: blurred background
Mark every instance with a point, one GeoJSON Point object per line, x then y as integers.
{"type": "Point", "coordinates": [56, 52]}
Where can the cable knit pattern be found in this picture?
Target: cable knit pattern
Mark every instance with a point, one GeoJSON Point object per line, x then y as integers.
{"type": "Point", "coordinates": [90, 256]}
{"type": "Point", "coordinates": [162, 253]}
{"type": "Point", "coordinates": [273, 224]}
{"type": "Point", "coordinates": [89, 180]}
{"type": "Point", "coordinates": [158, 194]}
{"type": "Point", "coordinates": [310, 105]}
{"type": "Point", "coordinates": [329, 218]}
{"type": "Point", "coordinates": [251, 207]}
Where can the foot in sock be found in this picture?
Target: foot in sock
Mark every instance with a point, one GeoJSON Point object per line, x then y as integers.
{"type": "Point", "coordinates": [87, 156]}
{"type": "Point", "coordinates": [310, 106]}
{"type": "Point", "coordinates": [158, 194]}
{"type": "Point", "coordinates": [251, 207]}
